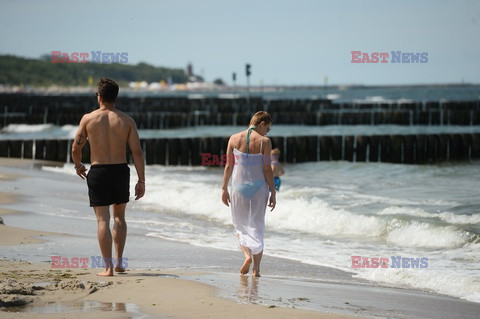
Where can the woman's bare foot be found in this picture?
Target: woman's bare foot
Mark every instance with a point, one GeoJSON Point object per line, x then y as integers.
{"type": "Point", "coordinates": [246, 265]}
{"type": "Point", "coordinates": [107, 273]}
{"type": "Point", "coordinates": [256, 271]}
{"type": "Point", "coordinates": [256, 264]}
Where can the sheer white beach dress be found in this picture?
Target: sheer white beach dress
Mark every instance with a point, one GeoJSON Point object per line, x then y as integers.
{"type": "Point", "coordinates": [249, 199]}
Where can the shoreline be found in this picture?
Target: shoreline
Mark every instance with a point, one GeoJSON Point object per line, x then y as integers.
{"type": "Point", "coordinates": [36, 286]}
{"type": "Point", "coordinates": [285, 284]}
{"type": "Point", "coordinates": [145, 293]}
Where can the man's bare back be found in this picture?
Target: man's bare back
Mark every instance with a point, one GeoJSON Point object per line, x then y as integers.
{"type": "Point", "coordinates": [108, 132]}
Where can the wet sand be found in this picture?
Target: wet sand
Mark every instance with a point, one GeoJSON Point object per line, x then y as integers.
{"type": "Point", "coordinates": [79, 293]}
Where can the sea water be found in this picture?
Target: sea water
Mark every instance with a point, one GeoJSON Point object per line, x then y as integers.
{"type": "Point", "coordinates": [51, 131]}
{"type": "Point", "coordinates": [326, 212]}
{"type": "Point", "coordinates": [338, 94]}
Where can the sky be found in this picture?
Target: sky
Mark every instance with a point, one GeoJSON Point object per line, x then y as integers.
{"type": "Point", "coordinates": [300, 42]}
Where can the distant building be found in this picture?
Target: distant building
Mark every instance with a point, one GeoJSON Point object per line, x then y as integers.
{"type": "Point", "coordinates": [192, 77]}
{"type": "Point", "coordinates": [189, 69]}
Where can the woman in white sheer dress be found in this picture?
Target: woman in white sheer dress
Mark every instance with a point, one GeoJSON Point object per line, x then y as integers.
{"type": "Point", "coordinates": [248, 164]}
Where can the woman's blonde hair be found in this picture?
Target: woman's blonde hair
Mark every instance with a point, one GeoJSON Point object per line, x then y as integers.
{"type": "Point", "coordinates": [275, 151]}
{"type": "Point", "coordinates": [259, 117]}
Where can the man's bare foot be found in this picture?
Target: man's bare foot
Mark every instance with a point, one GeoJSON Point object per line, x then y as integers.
{"type": "Point", "coordinates": [256, 273]}
{"type": "Point", "coordinates": [106, 273]}
{"type": "Point", "coordinates": [246, 266]}
{"type": "Point", "coordinates": [119, 269]}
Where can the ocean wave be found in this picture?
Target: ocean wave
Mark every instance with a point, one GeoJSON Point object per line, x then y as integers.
{"type": "Point", "coordinates": [38, 131]}
{"type": "Point", "coordinates": [333, 96]}
{"type": "Point", "coordinates": [316, 216]}
{"type": "Point", "coordinates": [184, 192]}
{"type": "Point", "coordinates": [460, 219]}
{"type": "Point", "coordinates": [26, 128]}
{"type": "Point", "coordinates": [311, 216]}
{"type": "Point", "coordinates": [448, 217]}
{"type": "Point", "coordinates": [449, 282]}
{"type": "Point", "coordinates": [408, 211]}
{"type": "Point", "coordinates": [425, 235]}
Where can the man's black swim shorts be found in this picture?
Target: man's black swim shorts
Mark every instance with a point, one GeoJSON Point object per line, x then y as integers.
{"type": "Point", "coordinates": [108, 184]}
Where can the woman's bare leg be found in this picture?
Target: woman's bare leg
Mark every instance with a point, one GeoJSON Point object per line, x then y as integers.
{"type": "Point", "coordinates": [256, 264]}
{"type": "Point", "coordinates": [248, 260]}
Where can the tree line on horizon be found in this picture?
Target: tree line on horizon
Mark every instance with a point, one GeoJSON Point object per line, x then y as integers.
{"type": "Point", "coordinates": [19, 71]}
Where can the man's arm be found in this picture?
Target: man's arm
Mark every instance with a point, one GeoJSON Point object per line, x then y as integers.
{"type": "Point", "coordinates": [138, 161]}
{"type": "Point", "coordinates": [78, 144]}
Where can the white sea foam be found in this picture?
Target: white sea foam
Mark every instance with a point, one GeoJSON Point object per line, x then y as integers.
{"type": "Point", "coordinates": [184, 194]}
{"type": "Point", "coordinates": [333, 96]}
{"type": "Point", "coordinates": [316, 216]}
{"type": "Point", "coordinates": [444, 281]}
{"type": "Point", "coordinates": [451, 218]}
{"type": "Point", "coordinates": [418, 234]}
{"type": "Point", "coordinates": [25, 128]}
{"type": "Point", "coordinates": [399, 210]}
{"type": "Point", "coordinates": [460, 219]}
{"type": "Point", "coordinates": [181, 195]}
{"type": "Point", "coordinates": [374, 99]}
{"type": "Point", "coordinates": [39, 131]}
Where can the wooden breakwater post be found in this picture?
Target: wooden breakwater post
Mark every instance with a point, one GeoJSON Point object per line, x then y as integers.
{"type": "Point", "coordinates": [407, 149]}
{"type": "Point", "coordinates": [152, 112]}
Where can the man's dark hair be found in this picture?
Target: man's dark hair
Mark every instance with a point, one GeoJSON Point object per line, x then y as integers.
{"type": "Point", "coordinates": [108, 90]}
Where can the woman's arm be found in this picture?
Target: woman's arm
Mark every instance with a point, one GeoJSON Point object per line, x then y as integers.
{"type": "Point", "coordinates": [227, 173]}
{"type": "Point", "coordinates": [267, 166]}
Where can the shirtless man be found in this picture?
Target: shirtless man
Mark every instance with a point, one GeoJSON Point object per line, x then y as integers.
{"type": "Point", "coordinates": [108, 132]}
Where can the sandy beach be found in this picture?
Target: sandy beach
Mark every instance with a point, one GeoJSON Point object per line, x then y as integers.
{"type": "Point", "coordinates": [166, 279]}
{"type": "Point", "coordinates": [139, 294]}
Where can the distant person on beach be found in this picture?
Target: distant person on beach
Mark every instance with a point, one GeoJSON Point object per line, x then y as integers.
{"type": "Point", "coordinates": [108, 132]}
{"type": "Point", "coordinates": [248, 163]}
{"type": "Point", "coordinates": [276, 168]}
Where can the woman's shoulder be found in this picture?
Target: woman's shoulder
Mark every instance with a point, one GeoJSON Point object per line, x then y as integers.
{"type": "Point", "coordinates": [235, 139]}
{"type": "Point", "coordinates": [237, 136]}
{"type": "Point", "coordinates": [265, 139]}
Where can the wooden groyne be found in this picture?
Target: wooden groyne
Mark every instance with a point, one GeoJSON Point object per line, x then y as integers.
{"type": "Point", "coordinates": [409, 149]}
{"type": "Point", "coordinates": [173, 112]}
